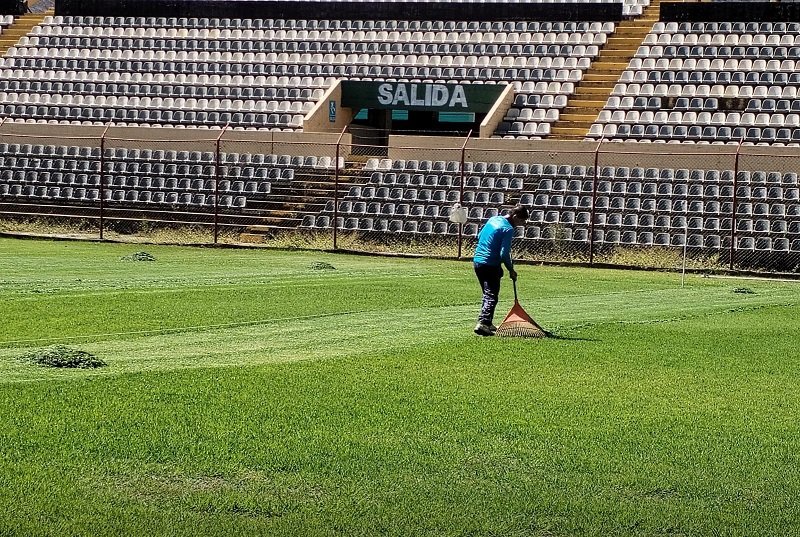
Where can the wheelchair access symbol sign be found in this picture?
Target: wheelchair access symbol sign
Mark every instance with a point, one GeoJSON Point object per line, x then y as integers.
{"type": "Point", "coordinates": [332, 111]}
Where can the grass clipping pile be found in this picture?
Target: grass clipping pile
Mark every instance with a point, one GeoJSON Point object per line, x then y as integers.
{"type": "Point", "coordinates": [321, 265]}
{"type": "Point", "coordinates": [138, 256]}
{"type": "Point", "coordinates": [62, 356]}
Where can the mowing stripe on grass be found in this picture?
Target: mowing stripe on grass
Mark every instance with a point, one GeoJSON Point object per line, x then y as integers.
{"type": "Point", "coordinates": [351, 333]}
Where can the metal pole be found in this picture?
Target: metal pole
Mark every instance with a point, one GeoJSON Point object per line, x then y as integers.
{"type": "Point", "coordinates": [336, 190]}
{"type": "Point", "coordinates": [461, 192]}
{"type": "Point", "coordinates": [102, 178]}
{"type": "Point", "coordinates": [216, 183]}
{"type": "Point", "coordinates": [735, 201]}
{"type": "Point", "coordinates": [594, 200]}
{"type": "Point", "coordinates": [685, 245]}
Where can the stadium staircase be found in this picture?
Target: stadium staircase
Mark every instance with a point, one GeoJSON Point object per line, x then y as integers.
{"type": "Point", "coordinates": [289, 203]}
{"type": "Point", "coordinates": [21, 27]}
{"type": "Point", "coordinates": [598, 82]}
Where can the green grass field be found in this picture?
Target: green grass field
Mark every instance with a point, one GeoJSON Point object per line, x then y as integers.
{"type": "Point", "coordinates": [248, 393]}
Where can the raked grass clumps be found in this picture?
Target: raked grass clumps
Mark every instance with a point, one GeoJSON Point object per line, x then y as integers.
{"type": "Point", "coordinates": [252, 392]}
{"type": "Point", "coordinates": [62, 356]}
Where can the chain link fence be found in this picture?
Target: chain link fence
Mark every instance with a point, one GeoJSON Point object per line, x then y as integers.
{"type": "Point", "coordinates": [656, 206]}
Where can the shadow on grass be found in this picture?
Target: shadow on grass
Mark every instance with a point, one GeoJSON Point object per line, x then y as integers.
{"type": "Point", "coordinates": [551, 335]}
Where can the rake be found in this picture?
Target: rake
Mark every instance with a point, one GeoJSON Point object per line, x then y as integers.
{"type": "Point", "coordinates": [518, 323]}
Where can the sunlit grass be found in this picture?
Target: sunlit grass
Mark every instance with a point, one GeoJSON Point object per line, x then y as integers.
{"type": "Point", "coordinates": [250, 392]}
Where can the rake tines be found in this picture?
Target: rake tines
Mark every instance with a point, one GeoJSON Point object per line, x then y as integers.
{"type": "Point", "coordinates": [520, 329]}
{"type": "Point", "coordinates": [519, 324]}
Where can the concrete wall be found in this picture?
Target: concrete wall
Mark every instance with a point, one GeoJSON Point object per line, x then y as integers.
{"type": "Point", "coordinates": [239, 141]}
{"type": "Point", "coordinates": [495, 116]}
{"type": "Point", "coordinates": [318, 118]}
{"type": "Point", "coordinates": [783, 159]}
{"type": "Point", "coordinates": [583, 153]}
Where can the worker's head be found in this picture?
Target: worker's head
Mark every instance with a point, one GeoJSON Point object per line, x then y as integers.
{"type": "Point", "coordinates": [518, 215]}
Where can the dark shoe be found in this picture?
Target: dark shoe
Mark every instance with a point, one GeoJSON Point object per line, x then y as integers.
{"type": "Point", "coordinates": [483, 329]}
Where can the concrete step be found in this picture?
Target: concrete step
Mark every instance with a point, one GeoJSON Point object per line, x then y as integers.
{"type": "Point", "coordinates": [600, 77]}
{"type": "Point", "coordinates": [568, 131]}
{"type": "Point", "coordinates": [625, 31]}
{"type": "Point", "coordinates": [595, 84]}
{"type": "Point", "coordinates": [586, 104]}
{"type": "Point", "coordinates": [604, 66]}
{"type": "Point", "coordinates": [603, 89]}
{"type": "Point", "coordinates": [575, 117]}
{"type": "Point", "coordinates": [624, 55]}
{"type": "Point", "coordinates": [620, 42]}
{"type": "Point", "coordinates": [21, 27]}
{"type": "Point", "coordinates": [593, 91]}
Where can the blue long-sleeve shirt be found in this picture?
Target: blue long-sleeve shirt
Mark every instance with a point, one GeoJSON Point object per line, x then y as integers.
{"type": "Point", "coordinates": [494, 243]}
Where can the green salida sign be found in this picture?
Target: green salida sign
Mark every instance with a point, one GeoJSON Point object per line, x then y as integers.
{"type": "Point", "coordinates": [358, 94]}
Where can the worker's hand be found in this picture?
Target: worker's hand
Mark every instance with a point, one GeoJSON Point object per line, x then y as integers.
{"type": "Point", "coordinates": [513, 275]}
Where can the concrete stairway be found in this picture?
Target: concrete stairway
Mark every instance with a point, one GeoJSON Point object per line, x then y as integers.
{"type": "Point", "coordinates": [593, 91]}
{"type": "Point", "coordinates": [289, 203]}
{"type": "Point", "coordinates": [21, 27]}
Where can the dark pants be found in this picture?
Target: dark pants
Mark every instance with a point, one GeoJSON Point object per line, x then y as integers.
{"type": "Point", "coordinates": [489, 278]}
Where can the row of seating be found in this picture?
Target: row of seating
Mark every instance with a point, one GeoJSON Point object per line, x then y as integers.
{"type": "Point", "coordinates": [741, 78]}
{"type": "Point", "coordinates": [123, 117]}
{"type": "Point", "coordinates": [169, 200]}
{"type": "Point", "coordinates": [34, 156]}
{"type": "Point", "coordinates": [520, 169]}
{"type": "Point", "coordinates": [655, 63]}
{"type": "Point", "coordinates": [661, 204]}
{"type": "Point", "coordinates": [137, 81]}
{"type": "Point", "coordinates": [144, 24]}
{"type": "Point", "coordinates": [558, 233]}
{"type": "Point", "coordinates": [167, 93]}
{"type": "Point", "coordinates": [445, 180]}
{"type": "Point", "coordinates": [732, 91]}
{"type": "Point", "coordinates": [723, 39]}
{"type": "Point", "coordinates": [726, 27]}
{"type": "Point", "coordinates": [262, 40]}
{"type": "Point", "coordinates": [249, 50]}
{"type": "Point", "coordinates": [730, 119]}
{"type": "Point", "coordinates": [638, 188]}
{"type": "Point", "coordinates": [530, 130]}
{"type": "Point", "coordinates": [167, 104]}
{"type": "Point", "coordinates": [386, 225]}
{"type": "Point", "coordinates": [352, 71]}
{"type": "Point", "coordinates": [662, 222]}
{"type": "Point", "coordinates": [723, 52]}
{"type": "Point", "coordinates": [142, 182]}
{"type": "Point", "coordinates": [697, 134]}
{"type": "Point", "coordinates": [457, 56]}
{"type": "Point", "coordinates": [410, 194]}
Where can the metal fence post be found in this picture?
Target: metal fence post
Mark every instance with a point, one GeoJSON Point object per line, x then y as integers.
{"type": "Point", "coordinates": [733, 205]}
{"type": "Point", "coordinates": [216, 183]}
{"type": "Point", "coordinates": [336, 190]}
{"type": "Point", "coordinates": [594, 201]}
{"type": "Point", "coordinates": [461, 191]}
{"type": "Point", "coordinates": [102, 178]}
